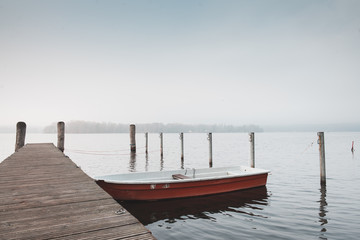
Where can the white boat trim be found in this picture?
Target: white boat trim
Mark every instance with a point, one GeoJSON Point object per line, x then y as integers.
{"type": "Point", "coordinates": [201, 174]}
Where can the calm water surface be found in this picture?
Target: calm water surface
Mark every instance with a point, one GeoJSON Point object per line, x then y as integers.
{"type": "Point", "coordinates": [293, 205]}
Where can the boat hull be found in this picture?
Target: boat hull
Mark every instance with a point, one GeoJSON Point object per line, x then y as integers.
{"type": "Point", "coordinates": [181, 189]}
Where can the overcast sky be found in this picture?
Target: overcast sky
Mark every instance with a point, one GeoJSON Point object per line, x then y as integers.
{"type": "Point", "coordinates": [227, 62]}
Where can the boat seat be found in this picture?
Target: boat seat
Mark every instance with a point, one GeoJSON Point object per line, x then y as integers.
{"type": "Point", "coordinates": [179, 176]}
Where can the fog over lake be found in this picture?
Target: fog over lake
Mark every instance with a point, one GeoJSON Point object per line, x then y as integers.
{"type": "Point", "coordinates": [266, 63]}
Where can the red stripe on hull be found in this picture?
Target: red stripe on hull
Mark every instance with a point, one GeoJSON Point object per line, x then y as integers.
{"type": "Point", "coordinates": [181, 189]}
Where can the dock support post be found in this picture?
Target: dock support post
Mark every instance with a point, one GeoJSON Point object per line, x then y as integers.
{"type": "Point", "coordinates": [210, 150]}
{"type": "Point", "coordinates": [182, 146]}
{"type": "Point", "coordinates": [252, 149]}
{"type": "Point", "coordinates": [321, 142]}
{"type": "Point", "coordinates": [61, 136]}
{"type": "Point", "coordinates": [20, 135]}
{"type": "Point", "coordinates": [146, 142]}
{"type": "Point", "coordinates": [132, 139]}
{"type": "Point", "coordinates": [161, 145]}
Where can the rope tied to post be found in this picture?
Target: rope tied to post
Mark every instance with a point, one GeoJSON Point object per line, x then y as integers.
{"type": "Point", "coordinates": [104, 153]}
{"type": "Point", "coordinates": [309, 146]}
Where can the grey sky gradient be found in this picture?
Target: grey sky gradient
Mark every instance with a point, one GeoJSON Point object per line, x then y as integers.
{"type": "Point", "coordinates": [230, 62]}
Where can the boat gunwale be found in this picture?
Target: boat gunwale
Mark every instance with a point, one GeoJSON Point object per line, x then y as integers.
{"type": "Point", "coordinates": [187, 180]}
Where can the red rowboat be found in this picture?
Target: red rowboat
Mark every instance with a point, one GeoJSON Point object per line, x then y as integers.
{"type": "Point", "coordinates": [181, 183]}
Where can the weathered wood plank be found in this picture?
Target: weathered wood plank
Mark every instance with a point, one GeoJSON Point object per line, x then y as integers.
{"type": "Point", "coordinates": [71, 229]}
{"type": "Point", "coordinates": [44, 195]}
{"type": "Point", "coordinates": [41, 211]}
{"type": "Point", "coordinates": [114, 233]}
{"type": "Point", "coordinates": [49, 219]}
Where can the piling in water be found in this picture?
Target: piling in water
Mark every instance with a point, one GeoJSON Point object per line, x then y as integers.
{"type": "Point", "coordinates": [146, 142]}
{"type": "Point", "coordinates": [252, 149]}
{"type": "Point", "coordinates": [61, 136]}
{"type": "Point", "coordinates": [20, 135]}
{"type": "Point", "coordinates": [132, 138]}
{"type": "Point", "coordinates": [210, 150]}
{"type": "Point", "coordinates": [161, 145]}
{"type": "Point", "coordinates": [321, 142]}
{"type": "Point", "coordinates": [182, 146]}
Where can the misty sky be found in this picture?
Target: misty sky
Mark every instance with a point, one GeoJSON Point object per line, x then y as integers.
{"type": "Point", "coordinates": [186, 61]}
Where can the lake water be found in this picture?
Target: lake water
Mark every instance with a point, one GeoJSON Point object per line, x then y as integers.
{"type": "Point", "coordinates": [293, 205]}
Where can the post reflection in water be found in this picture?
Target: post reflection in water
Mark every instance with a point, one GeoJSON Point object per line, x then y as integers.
{"type": "Point", "coordinates": [132, 162]}
{"type": "Point", "coordinates": [322, 211]}
{"type": "Point", "coordinates": [161, 163]}
{"type": "Point", "coordinates": [198, 207]}
{"type": "Point", "coordinates": [146, 162]}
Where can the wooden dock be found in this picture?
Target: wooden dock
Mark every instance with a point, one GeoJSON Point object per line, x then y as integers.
{"type": "Point", "coordinates": [44, 195]}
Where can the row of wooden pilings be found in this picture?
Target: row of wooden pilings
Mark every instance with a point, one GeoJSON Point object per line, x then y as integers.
{"type": "Point", "coordinates": [21, 132]}
{"type": "Point", "coordinates": [321, 143]}
{"type": "Point", "coordinates": [133, 144]}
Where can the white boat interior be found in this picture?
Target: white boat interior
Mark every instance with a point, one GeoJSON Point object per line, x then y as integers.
{"type": "Point", "coordinates": [185, 175]}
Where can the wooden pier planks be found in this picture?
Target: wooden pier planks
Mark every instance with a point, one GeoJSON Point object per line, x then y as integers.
{"type": "Point", "coordinates": [44, 195]}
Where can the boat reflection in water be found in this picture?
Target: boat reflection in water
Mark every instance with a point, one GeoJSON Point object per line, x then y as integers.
{"type": "Point", "coordinates": [197, 207]}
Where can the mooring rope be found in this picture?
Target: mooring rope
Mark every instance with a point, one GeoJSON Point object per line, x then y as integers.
{"type": "Point", "coordinates": [97, 151]}
{"type": "Point", "coordinates": [308, 147]}
{"type": "Point", "coordinates": [105, 153]}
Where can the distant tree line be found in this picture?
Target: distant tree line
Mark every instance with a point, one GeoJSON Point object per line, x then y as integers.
{"type": "Point", "coordinates": [96, 127]}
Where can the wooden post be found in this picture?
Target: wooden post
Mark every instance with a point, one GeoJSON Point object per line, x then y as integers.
{"type": "Point", "coordinates": [321, 142]}
{"type": "Point", "coordinates": [132, 138]}
{"type": "Point", "coordinates": [161, 145]}
{"type": "Point", "coordinates": [146, 143]}
{"type": "Point", "coordinates": [252, 149]}
{"type": "Point", "coordinates": [61, 136]}
{"type": "Point", "coordinates": [182, 146]}
{"type": "Point", "coordinates": [20, 135]}
{"type": "Point", "coordinates": [210, 150]}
